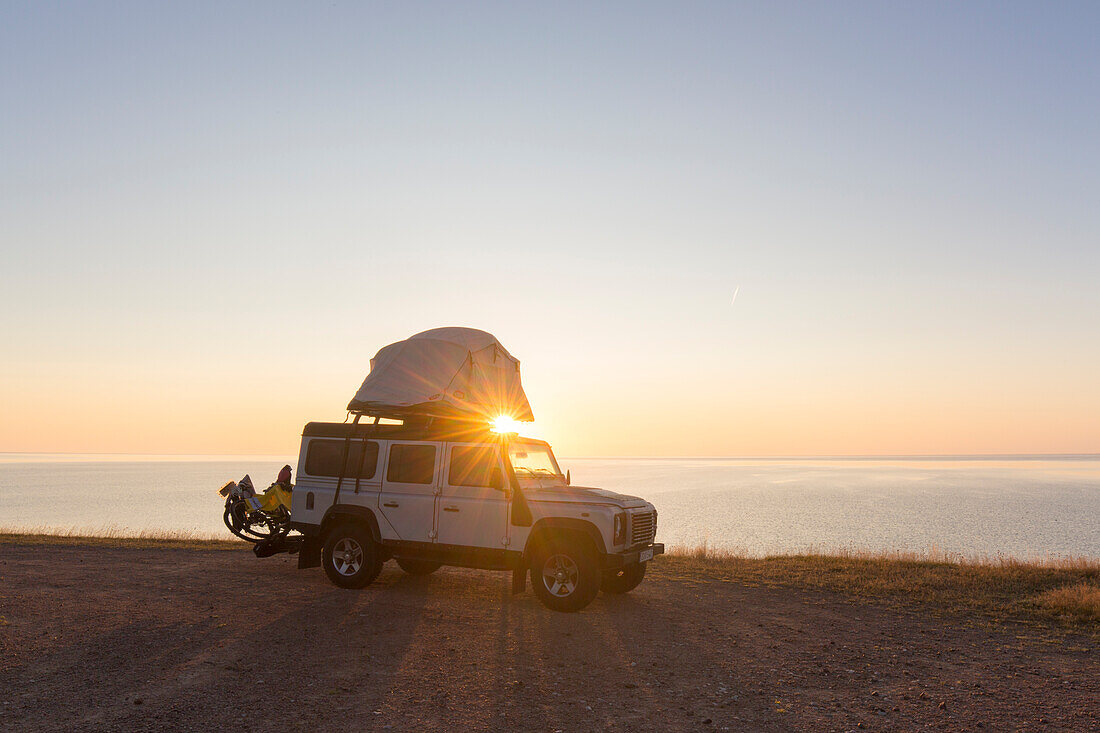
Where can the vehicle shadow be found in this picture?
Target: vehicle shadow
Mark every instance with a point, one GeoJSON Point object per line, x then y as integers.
{"type": "Point", "coordinates": [216, 655]}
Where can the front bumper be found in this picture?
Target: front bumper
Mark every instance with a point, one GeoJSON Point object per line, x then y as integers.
{"type": "Point", "coordinates": [630, 557]}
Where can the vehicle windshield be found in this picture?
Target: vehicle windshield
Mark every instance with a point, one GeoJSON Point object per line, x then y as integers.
{"type": "Point", "coordinates": [533, 460]}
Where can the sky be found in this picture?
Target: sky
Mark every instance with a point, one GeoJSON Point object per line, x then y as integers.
{"type": "Point", "coordinates": [705, 229]}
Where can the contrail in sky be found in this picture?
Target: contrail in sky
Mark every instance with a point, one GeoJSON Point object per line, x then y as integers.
{"type": "Point", "coordinates": [735, 290]}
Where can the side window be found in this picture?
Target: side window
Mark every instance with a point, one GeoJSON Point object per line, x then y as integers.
{"type": "Point", "coordinates": [473, 465]}
{"type": "Point", "coordinates": [411, 464]}
{"type": "Point", "coordinates": [324, 458]}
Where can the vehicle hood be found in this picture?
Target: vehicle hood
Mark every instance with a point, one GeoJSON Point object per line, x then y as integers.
{"type": "Point", "coordinates": [582, 495]}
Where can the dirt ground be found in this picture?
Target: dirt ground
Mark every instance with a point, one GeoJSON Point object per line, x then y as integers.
{"type": "Point", "coordinates": [98, 638]}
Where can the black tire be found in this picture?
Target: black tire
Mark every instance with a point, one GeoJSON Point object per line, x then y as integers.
{"type": "Point", "coordinates": [565, 575]}
{"type": "Point", "coordinates": [261, 526]}
{"type": "Point", "coordinates": [252, 527]}
{"type": "Point", "coordinates": [623, 580]}
{"type": "Point", "coordinates": [349, 556]}
{"type": "Point", "coordinates": [416, 566]}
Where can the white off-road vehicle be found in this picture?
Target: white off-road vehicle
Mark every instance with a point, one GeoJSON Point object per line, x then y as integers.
{"type": "Point", "coordinates": [433, 492]}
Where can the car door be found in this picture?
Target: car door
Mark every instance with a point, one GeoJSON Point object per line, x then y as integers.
{"type": "Point", "coordinates": [408, 495]}
{"type": "Point", "coordinates": [473, 504]}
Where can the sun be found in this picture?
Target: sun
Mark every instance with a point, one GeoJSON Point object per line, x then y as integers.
{"type": "Point", "coordinates": [505, 424]}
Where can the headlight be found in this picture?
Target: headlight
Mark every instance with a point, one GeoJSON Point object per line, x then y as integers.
{"type": "Point", "coordinates": [620, 529]}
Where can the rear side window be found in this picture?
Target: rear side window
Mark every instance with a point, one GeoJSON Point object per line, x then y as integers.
{"type": "Point", "coordinates": [472, 465]}
{"type": "Point", "coordinates": [324, 458]}
{"type": "Point", "coordinates": [411, 464]}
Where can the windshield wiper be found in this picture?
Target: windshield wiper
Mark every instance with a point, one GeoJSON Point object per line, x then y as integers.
{"type": "Point", "coordinates": [537, 472]}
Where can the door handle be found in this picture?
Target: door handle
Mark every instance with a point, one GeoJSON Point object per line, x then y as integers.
{"type": "Point", "coordinates": [393, 504]}
{"type": "Point", "coordinates": [450, 509]}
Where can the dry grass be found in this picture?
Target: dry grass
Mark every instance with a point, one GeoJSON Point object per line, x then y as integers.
{"type": "Point", "coordinates": [1081, 601]}
{"type": "Point", "coordinates": [1052, 591]}
{"type": "Point", "coordinates": [114, 537]}
{"type": "Point", "coordinates": [1060, 591]}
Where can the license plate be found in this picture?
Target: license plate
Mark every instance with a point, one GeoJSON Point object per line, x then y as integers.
{"type": "Point", "coordinates": [645, 555]}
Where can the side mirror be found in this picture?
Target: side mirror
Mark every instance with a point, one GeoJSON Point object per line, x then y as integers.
{"type": "Point", "coordinates": [496, 479]}
{"type": "Point", "coordinates": [568, 478]}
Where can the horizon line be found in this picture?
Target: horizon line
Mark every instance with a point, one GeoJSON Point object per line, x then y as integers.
{"type": "Point", "coordinates": [808, 456]}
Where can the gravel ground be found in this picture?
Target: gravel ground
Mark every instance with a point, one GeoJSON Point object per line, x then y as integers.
{"type": "Point", "coordinates": [95, 638]}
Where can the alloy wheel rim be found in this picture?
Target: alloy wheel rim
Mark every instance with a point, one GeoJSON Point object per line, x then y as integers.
{"type": "Point", "coordinates": [559, 575]}
{"type": "Point", "coordinates": [347, 556]}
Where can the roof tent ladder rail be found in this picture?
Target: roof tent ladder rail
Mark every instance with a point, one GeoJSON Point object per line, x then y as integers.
{"type": "Point", "coordinates": [344, 461]}
{"type": "Point", "coordinates": [363, 453]}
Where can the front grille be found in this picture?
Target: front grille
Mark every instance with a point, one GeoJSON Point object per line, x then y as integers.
{"type": "Point", "coordinates": [643, 527]}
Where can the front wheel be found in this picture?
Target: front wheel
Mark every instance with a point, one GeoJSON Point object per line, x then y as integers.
{"type": "Point", "coordinates": [565, 576]}
{"type": "Point", "coordinates": [350, 557]}
{"type": "Point", "coordinates": [623, 580]}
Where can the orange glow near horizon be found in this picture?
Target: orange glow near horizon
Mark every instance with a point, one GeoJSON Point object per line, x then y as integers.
{"type": "Point", "coordinates": [786, 411]}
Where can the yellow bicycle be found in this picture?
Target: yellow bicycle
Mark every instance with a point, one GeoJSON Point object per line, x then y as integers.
{"type": "Point", "coordinates": [256, 517]}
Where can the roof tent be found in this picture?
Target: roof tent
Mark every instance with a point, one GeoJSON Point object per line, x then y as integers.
{"type": "Point", "coordinates": [453, 372]}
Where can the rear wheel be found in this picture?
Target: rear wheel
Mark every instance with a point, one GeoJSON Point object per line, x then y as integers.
{"type": "Point", "coordinates": [416, 566]}
{"type": "Point", "coordinates": [565, 575]}
{"type": "Point", "coordinates": [350, 557]}
{"type": "Point", "coordinates": [623, 580]}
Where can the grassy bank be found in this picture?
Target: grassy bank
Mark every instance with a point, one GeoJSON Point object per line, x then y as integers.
{"type": "Point", "coordinates": [117, 538]}
{"type": "Point", "coordinates": [1061, 593]}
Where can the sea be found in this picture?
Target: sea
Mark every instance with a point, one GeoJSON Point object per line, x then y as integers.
{"type": "Point", "coordinates": [1025, 507]}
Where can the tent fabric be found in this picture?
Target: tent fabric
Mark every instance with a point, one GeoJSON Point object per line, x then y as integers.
{"type": "Point", "coordinates": [445, 372]}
